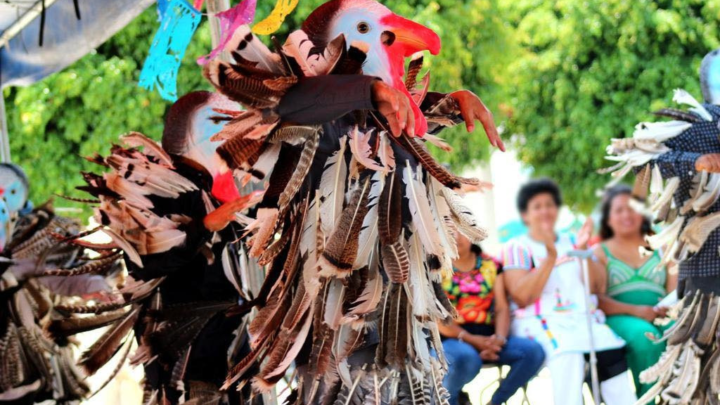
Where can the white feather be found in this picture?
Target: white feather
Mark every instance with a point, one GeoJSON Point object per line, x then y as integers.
{"type": "Point", "coordinates": [298, 46]}
{"type": "Point", "coordinates": [441, 213]}
{"type": "Point", "coordinates": [265, 163]}
{"type": "Point", "coordinates": [418, 282]}
{"type": "Point", "coordinates": [422, 217]}
{"type": "Point", "coordinates": [385, 152]}
{"type": "Point", "coordinates": [698, 229]}
{"type": "Point", "coordinates": [368, 299]}
{"type": "Point", "coordinates": [360, 147]}
{"type": "Point", "coordinates": [332, 188]}
{"type": "Point", "coordinates": [463, 217]}
{"type": "Point", "coordinates": [334, 303]}
{"type": "Point", "coordinates": [660, 131]}
{"type": "Point", "coordinates": [256, 51]}
{"type": "Point", "coordinates": [683, 97]}
{"type": "Point", "coordinates": [668, 235]}
{"type": "Point", "coordinates": [369, 231]}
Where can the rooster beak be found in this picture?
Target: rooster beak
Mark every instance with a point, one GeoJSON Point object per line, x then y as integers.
{"type": "Point", "coordinates": [409, 37]}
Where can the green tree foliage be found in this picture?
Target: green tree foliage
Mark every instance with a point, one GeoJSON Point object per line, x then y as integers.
{"type": "Point", "coordinates": [84, 108]}
{"type": "Point", "coordinates": [593, 69]}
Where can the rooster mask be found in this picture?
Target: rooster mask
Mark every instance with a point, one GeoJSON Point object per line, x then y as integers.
{"type": "Point", "coordinates": [189, 127]}
{"type": "Point", "coordinates": [389, 38]}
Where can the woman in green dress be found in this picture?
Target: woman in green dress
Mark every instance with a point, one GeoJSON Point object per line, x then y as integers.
{"type": "Point", "coordinates": [633, 281]}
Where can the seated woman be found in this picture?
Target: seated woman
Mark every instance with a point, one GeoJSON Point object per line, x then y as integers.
{"type": "Point", "coordinates": [633, 283]}
{"type": "Point", "coordinates": [480, 332]}
{"type": "Point", "coordinates": [549, 302]}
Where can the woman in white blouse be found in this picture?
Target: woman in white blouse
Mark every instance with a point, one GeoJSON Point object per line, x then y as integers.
{"type": "Point", "coordinates": [549, 306]}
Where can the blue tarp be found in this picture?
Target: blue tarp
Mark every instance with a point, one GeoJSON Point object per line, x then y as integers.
{"type": "Point", "coordinates": [65, 38]}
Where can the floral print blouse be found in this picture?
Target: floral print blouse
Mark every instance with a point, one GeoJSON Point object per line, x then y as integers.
{"type": "Point", "coordinates": [472, 294]}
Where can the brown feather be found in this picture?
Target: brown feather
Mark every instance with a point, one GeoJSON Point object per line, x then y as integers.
{"type": "Point", "coordinates": [301, 170]}
{"type": "Point", "coordinates": [435, 169]}
{"type": "Point", "coordinates": [96, 266]}
{"type": "Point", "coordinates": [90, 309]}
{"type": "Point", "coordinates": [442, 297]}
{"type": "Point", "coordinates": [351, 61]}
{"type": "Point", "coordinates": [390, 211]}
{"type": "Point", "coordinates": [248, 361]}
{"type": "Point", "coordinates": [677, 115]}
{"type": "Point", "coordinates": [642, 182]}
{"type": "Point", "coordinates": [108, 344]}
{"type": "Point", "coordinates": [238, 151]}
{"type": "Point", "coordinates": [281, 174]}
{"type": "Point", "coordinates": [397, 337]}
{"type": "Point", "coordinates": [413, 70]}
{"type": "Point", "coordinates": [396, 262]}
{"type": "Point", "coordinates": [74, 325]}
{"type": "Point", "coordinates": [342, 246]}
{"type": "Point", "coordinates": [323, 337]}
{"type": "Point", "coordinates": [249, 91]}
{"type": "Point", "coordinates": [292, 134]}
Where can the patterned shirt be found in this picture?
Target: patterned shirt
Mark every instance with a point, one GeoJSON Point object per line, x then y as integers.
{"type": "Point", "coordinates": [700, 139]}
{"type": "Point", "coordinates": [472, 295]}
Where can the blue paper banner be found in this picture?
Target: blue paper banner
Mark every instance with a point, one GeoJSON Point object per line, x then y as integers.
{"type": "Point", "coordinates": [177, 26]}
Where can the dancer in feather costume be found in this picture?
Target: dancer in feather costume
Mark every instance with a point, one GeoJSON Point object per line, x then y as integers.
{"type": "Point", "coordinates": [41, 272]}
{"type": "Point", "coordinates": [678, 171]}
{"type": "Point", "coordinates": [168, 208]}
{"type": "Point", "coordinates": [356, 224]}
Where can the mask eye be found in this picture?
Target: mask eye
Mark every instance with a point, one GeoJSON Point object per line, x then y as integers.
{"type": "Point", "coordinates": [363, 27]}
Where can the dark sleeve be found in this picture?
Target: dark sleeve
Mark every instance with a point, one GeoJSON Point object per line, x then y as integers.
{"type": "Point", "coordinates": [677, 164]}
{"type": "Point", "coordinates": [321, 99]}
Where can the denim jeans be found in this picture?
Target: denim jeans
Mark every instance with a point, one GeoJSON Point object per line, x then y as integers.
{"type": "Point", "coordinates": [524, 356]}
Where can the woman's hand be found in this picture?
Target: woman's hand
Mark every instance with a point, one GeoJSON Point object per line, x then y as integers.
{"type": "Point", "coordinates": [484, 344]}
{"type": "Point", "coordinates": [645, 312]}
{"type": "Point", "coordinates": [548, 237]}
{"type": "Point", "coordinates": [585, 233]}
{"type": "Point", "coordinates": [472, 108]}
{"type": "Point", "coordinates": [661, 312]}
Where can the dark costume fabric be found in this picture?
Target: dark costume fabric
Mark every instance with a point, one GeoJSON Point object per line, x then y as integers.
{"type": "Point", "coordinates": [354, 225]}
{"type": "Point", "coordinates": [43, 274]}
{"type": "Point", "coordinates": [663, 155]}
{"type": "Point", "coordinates": [184, 276]}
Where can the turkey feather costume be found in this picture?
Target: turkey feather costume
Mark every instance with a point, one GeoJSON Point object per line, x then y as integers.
{"type": "Point", "coordinates": [168, 208]}
{"type": "Point", "coordinates": [665, 156]}
{"type": "Point", "coordinates": [355, 226]}
{"type": "Point", "coordinates": [43, 271]}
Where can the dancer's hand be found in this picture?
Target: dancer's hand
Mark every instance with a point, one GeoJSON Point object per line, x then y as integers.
{"type": "Point", "coordinates": [395, 107]}
{"type": "Point", "coordinates": [708, 163]}
{"type": "Point", "coordinates": [472, 108]}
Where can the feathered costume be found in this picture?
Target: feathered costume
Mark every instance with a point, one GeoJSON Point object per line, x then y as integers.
{"type": "Point", "coordinates": [355, 224]}
{"type": "Point", "coordinates": [42, 271]}
{"type": "Point", "coordinates": [162, 207]}
{"type": "Point", "coordinates": [664, 156]}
